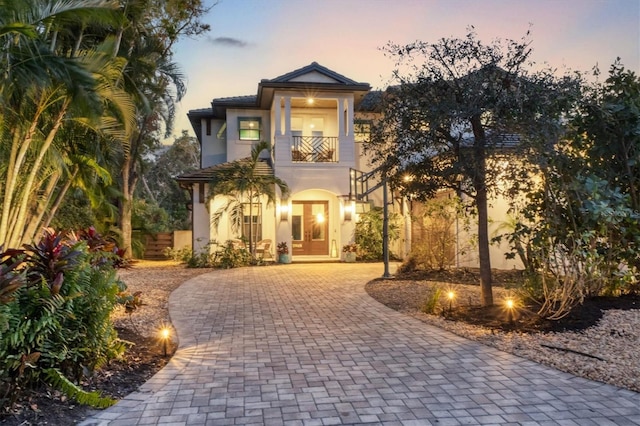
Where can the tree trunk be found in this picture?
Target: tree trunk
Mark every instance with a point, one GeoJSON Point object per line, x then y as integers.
{"type": "Point", "coordinates": [16, 238]}
{"type": "Point", "coordinates": [486, 294]}
{"type": "Point", "coordinates": [126, 207]}
{"type": "Point", "coordinates": [480, 186]}
{"type": "Point", "coordinates": [36, 223]}
{"type": "Point", "coordinates": [60, 197]}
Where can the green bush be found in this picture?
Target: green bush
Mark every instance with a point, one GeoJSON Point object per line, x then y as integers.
{"type": "Point", "coordinates": [368, 233]}
{"type": "Point", "coordinates": [232, 257]}
{"type": "Point", "coordinates": [430, 302]}
{"type": "Point", "coordinates": [213, 255]}
{"type": "Point", "coordinates": [58, 321]}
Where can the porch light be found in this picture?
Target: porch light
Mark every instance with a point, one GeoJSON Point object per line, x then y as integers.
{"type": "Point", "coordinates": [284, 212]}
{"type": "Point", "coordinates": [310, 101]}
{"type": "Point", "coordinates": [348, 212]}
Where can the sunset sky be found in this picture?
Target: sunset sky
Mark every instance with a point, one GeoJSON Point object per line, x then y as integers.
{"type": "Point", "coordinates": [255, 39]}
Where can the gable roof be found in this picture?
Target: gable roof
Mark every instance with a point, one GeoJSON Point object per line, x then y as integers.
{"type": "Point", "coordinates": [311, 77]}
{"type": "Point", "coordinates": [313, 69]}
{"type": "Point", "coordinates": [314, 77]}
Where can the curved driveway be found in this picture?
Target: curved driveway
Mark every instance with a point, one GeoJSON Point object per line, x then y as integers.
{"type": "Point", "coordinates": [303, 344]}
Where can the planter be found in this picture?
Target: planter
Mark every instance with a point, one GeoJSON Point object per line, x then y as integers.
{"type": "Point", "coordinates": [284, 258]}
{"type": "Point", "coordinates": [349, 257]}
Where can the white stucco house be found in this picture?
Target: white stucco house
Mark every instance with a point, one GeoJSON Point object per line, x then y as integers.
{"type": "Point", "coordinates": [316, 121]}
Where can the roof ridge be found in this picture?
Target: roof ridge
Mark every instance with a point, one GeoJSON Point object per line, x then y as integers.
{"type": "Point", "coordinates": [313, 66]}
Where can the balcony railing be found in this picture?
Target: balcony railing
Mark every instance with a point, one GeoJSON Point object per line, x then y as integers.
{"type": "Point", "coordinates": [314, 149]}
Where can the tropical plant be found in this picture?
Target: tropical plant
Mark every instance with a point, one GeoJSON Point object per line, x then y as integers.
{"type": "Point", "coordinates": [57, 325]}
{"type": "Point", "coordinates": [245, 181]}
{"type": "Point", "coordinates": [282, 248]}
{"type": "Point", "coordinates": [350, 248]}
{"type": "Point", "coordinates": [231, 256]}
{"type": "Point", "coordinates": [51, 85]}
{"type": "Point", "coordinates": [146, 39]}
{"type": "Point", "coordinates": [369, 230]}
{"type": "Point", "coordinates": [578, 232]}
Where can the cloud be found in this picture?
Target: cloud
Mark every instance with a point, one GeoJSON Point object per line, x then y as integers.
{"type": "Point", "coordinates": [228, 42]}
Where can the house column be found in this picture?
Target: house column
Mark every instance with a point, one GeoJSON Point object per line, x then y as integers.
{"type": "Point", "coordinates": [278, 113]}
{"type": "Point", "coordinates": [341, 117]}
{"type": "Point", "coordinates": [349, 124]}
{"type": "Point", "coordinates": [287, 115]}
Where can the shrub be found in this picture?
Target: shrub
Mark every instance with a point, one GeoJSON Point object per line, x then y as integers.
{"type": "Point", "coordinates": [368, 233]}
{"type": "Point", "coordinates": [57, 324]}
{"type": "Point", "coordinates": [430, 302]}
{"type": "Point", "coordinates": [213, 255]}
{"type": "Point", "coordinates": [232, 257]}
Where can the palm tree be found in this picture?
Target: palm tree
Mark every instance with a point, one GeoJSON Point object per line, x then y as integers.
{"type": "Point", "coordinates": [146, 39]}
{"type": "Point", "coordinates": [245, 181]}
{"type": "Point", "coordinates": [46, 86]}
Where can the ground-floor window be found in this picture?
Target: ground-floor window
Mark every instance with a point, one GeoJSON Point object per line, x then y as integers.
{"type": "Point", "coordinates": [252, 221]}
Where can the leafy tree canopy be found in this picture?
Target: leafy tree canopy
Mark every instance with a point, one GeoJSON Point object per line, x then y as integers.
{"type": "Point", "coordinates": [457, 107]}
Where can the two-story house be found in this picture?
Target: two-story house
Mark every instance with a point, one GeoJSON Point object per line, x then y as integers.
{"type": "Point", "coordinates": [316, 121]}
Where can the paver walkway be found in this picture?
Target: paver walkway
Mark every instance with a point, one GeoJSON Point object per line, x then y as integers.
{"type": "Point", "coordinates": [303, 344]}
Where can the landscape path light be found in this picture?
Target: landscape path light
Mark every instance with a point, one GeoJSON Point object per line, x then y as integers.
{"type": "Point", "coordinates": [510, 306]}
{"type": "Point", "coordinates": [165, 333]}
{"type": "Point", "coordinates": [451, 295]}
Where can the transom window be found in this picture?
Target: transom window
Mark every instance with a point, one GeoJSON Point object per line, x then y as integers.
{"type": "Point", "coordinates": [362, 130]}
{"type": "Point", "coordinates": [249, 129]}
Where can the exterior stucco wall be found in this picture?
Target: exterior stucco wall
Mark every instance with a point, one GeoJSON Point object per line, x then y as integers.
{"type": "Point", "coordinates": [200, 220]}
{"type": "Point", "coordinates": [214, 149]}
{"type": "Point", "coordinates": [467, 239]}
{"type": "Point", "coordinates": [236, 148]}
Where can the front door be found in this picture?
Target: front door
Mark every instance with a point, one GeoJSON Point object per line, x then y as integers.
{"type": "Point", "coordinates": [310, 227]}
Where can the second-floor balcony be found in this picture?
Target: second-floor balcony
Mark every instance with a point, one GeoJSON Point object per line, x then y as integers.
{"type": "Point", "coordinates": [314, 149]}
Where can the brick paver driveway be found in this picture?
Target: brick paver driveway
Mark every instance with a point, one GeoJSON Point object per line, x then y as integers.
{"type": "Point", "coordinates": [303, 344]}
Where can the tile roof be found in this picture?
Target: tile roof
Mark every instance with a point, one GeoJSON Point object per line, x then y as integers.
{"type": "Point", "coordinates": [263, 168]}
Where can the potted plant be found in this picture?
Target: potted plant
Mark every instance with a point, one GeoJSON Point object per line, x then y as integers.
{"type": "Point", "coordinates": [283, 252]}
{"type": "Point", "coordinates": [349, 251]}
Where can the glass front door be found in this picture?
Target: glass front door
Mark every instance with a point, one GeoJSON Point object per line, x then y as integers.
{"type": "Point", "coordinates": [310, 227]}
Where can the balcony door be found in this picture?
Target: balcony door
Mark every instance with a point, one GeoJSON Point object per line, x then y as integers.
{"type": "Point", "coordinates": [310, 228]}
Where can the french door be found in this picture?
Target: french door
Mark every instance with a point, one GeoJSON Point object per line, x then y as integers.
{"type": "Point", "coordinates": [310, 227]}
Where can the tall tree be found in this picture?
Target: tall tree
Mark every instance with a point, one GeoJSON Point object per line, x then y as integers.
{"type": "Point", "coordinates": [245, 181]}
{"type": "Point", "coordinates": [146, 40]}
{"type": "Point", "coordinates": [49, 85]}
{"type": "Point", "coordinates": [459, 104]}
{"type": "Point", "coordinates": [159, 184]}
{"type": "Point", "coordinates": [607, 130]}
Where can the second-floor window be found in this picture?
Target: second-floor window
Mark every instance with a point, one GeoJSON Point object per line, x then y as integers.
{"type": "Point", "coordinates": [249, 129]}
{"type": "Point", "coordinates": [362, 130]}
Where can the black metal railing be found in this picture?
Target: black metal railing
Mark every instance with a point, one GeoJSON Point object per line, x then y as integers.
{"type": "Point", "coordinates": [314, 149]}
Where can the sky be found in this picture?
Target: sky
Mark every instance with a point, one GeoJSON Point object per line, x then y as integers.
{"type": "Point", "coordinates": [251, 40]}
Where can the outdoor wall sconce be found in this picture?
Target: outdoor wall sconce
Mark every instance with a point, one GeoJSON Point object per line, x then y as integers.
{"type": "Point", "coordinates": [284, 212]}
{"type": "Point", "coordinates": [348, 211]}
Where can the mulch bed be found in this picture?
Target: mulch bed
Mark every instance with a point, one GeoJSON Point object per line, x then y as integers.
{"type": "Point", "coordinates": [409, 296]}
{"type": "Point", "coordinates": [47, 406]}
